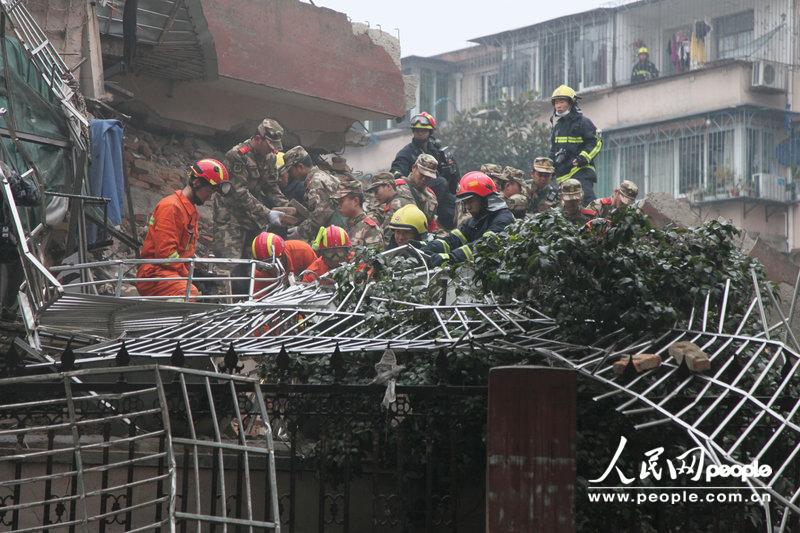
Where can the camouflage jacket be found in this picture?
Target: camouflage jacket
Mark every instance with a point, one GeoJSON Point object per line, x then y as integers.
{"type": "Point", "coordinates": [244, 210]}
{"type": "Point", "coordinates": [364, 231]}
{"type": "Point", "coordinates": [319, 187]}
{"type": "Point", "coordinates": [543, 199]}
{"type": "Point", "coordinates": [257, 173]}
{"type": "Point", "coordinates": [603, 207]}
{"type": "Point", "coordinates": [581, 217]}
{"type": "Point", "coordinates": [425, 200]}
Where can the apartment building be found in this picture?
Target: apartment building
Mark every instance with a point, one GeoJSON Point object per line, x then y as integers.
{"type": "Point", "coordinates": [716, 127]}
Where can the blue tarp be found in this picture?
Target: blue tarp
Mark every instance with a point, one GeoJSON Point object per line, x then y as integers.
{"type": "Point", "coordinates": [106, 177]}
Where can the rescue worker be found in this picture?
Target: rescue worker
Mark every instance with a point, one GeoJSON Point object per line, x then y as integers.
{"type": "Point", "coordinates": [363, 230]}
{"type": "Point", "coordinates": [295, 256]}
{"type": "Point", "coordinates": [408, 224]}
{"type": "Point", "coordinates": [172, 232]}
{"type": "Point", "coordinates": [644, 69]}
{"type": "Point", "coordinates": [623, 195]}
{"type": "Point", "coordinates": [383, 188]}
{"type": "Point", "coordinates": [333, 245]}
{"type": "Point", "coordinates": [571, 194]}
{"type": "Point", "coordinates": [293, 189]}
{"type": "Point", "coordinates": [574, 142]}
{"type": "Point", "coordinates": [494, 171]}
{"type": "Point", "coordinates": [340, 168]}
{"type": "Point", "coordinates": [512, 182]}
{"type": "Point", "coordinates": [415, 187]}
{"type": "Point", "coordinates": [544, 192]}
{"type": "Point", "coordinates": [518, 205]}
{"type": "Point", "coordinates": [444, 184]}
{"type": "Point", "coordinates": [319, 188]}
{"type": "Point", "coordinates": [255, 200]}
{"type": "Point", "coordinates": [489, 215]}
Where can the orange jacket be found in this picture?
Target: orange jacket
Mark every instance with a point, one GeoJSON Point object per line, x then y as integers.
{"type": "Point", "coordinates": [171, 233]}
{"type": "Point", "coordinates": [299, 256]}
{"type": "Point", "coordinates": [315, 270]}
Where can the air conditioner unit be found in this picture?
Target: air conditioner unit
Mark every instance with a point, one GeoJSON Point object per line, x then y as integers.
{"type": "Point", "coordinates": [770, 187]}
{"type": "Point", "coordinates": [768, 76]}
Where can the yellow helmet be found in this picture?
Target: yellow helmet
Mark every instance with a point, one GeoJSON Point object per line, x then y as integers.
{"type": "Point", "coordinates": [409, 217]}
{"type": "Point", "coordinates": [563, 91]}
{"type": "Point", "coordinates": [643, 50]}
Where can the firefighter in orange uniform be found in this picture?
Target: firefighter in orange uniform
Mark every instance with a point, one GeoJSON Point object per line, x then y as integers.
{"type": "Point", "coordinates": [295, 256]}
{"type": "Point", "coordinates": [172, 232]}
{"type": "Point", "coordinates": [333, 244]}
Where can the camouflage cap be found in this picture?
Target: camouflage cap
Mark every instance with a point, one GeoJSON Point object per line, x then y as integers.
{"type": "Point", "coordinates": [292, 156]}
{"type": "Point", "coordinates": [348, 186]}
{"type": "Point", "coordinates": [427, 165]}
{"type": "Point", "coordinates": [513, 174]}
{"type": "Point", "coordinates": [517, 202]}
{"type": "Point", "coordinates": [571, 190]}
{"type": "Point", "coordinates": [270, 129]}
{"type": "Point", "coordinates": [381, 178]}
{"type": "Point", "coordinates": [628, 191]}
{"type": "Point", "coordinates": [492, 170]}
{"type": "Point", "coordinates": [544, 165]}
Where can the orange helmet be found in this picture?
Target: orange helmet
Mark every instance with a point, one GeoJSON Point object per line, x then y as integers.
{"type": "Point", "coordinates": [332, 237]}
{"type": "Point", "coordinates": [212, 172]}
{"type": "Point", "coordinates": [423, 121]}
{"type": "Point", "coordinates": [475, 184]}
{"type": "Point", "coordinates": [267, 245]}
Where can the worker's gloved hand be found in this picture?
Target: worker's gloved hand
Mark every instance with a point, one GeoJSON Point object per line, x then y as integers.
{"type": "Point", "coordinates": [580, 161]}
{"type": "Point", "coordinates": [293, 233]}
{"type": "Point", "coordinates": [436, 260]}
{"type": "Point", "coordinates": [275, 217]}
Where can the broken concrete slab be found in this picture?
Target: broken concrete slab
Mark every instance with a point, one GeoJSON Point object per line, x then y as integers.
{"type": "Point", "coordinates": [641, 363]}
{"type": "Point", "coordinates": [665, 210]}
{"type": "Point", "coordinates": [696, 359]}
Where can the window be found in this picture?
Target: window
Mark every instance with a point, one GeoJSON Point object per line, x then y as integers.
{"type": "Point", "coordinates": [577, 57]}
{"type": "Point", "coordinates": [631, 166]}
{"type": "Point", "coordinates": [661, 165]}
{"type": "Point", "coordinates": [375, 126]}
{"type": "Point", "coordinates": [490, 89]}
{"type": "Point", "coordinates": [734, 35]}
{"type": "Point", "coordinates": [552, 62]}
{"type": "Point", "coordinates": [442, 103]}
{"type": "Point", "coordinates": [721, 174]}
{"type": "Point", "coordinates": [427, 90]}
{"type": "Point", "coordinates": [605, 166]}
{"type": "Point", "coordinates": [516, 73]}
{"type": "Point", "coordinates": [690, 166]}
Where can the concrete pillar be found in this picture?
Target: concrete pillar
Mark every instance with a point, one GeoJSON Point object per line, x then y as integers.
{"type": "Point", "coordinates": [91, 74]}
{"type": "Point", "coordinates": [530, 448]}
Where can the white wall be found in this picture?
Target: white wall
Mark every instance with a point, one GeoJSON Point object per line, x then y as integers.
{"type": "Point", "coordinates": [379, 155]}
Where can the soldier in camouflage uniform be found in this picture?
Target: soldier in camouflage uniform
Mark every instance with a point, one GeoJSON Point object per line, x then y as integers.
{"type": "Point", "coordinates": [623, 195]}
{"type": "Point", "coordinates": [493, 171]}
{"type": "Point", "coordinates": [415, 187]}
{"type": "Point", "coordinates": [571, 200]}
{"type": "Point", "coordinates": [383, 189]}
{"type": "Point", "coordinates": [255, 199]}
{"type": "Point", "coordinates": [513, 183]}
{"type": "Point", "coordinates": [518, 204]}
{"type": "Point", "coordinates": [362, 229]}
{"type": "Point", "coordinates": [543, 191]}
{"type": "Point", "coordinates": [320, 186]}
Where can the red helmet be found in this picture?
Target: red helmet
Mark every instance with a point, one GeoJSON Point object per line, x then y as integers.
{"type": "Point", "coordinates": [213, 172]}
{"type": "Point", "coordinates": [475, 184]}
{"type": "Point", "coordinates": [332, 237]}
{"type": "Point", "coordinates": [423, 121]}
{"type": "Point", "coordinates": [268, 245]}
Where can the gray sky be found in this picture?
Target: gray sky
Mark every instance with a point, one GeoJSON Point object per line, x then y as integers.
{"type": "Point", "coordinates": [429, 27]}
